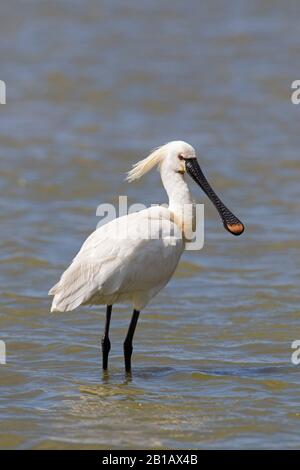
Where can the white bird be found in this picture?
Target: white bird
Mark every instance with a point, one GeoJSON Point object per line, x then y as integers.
{"type": "Point", "coordinates": [120, 262]}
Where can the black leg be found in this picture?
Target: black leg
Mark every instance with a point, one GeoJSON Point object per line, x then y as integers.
{"type": "Point", "coordinates": [128, 340]}
{"type": "Point", "coordinates": [105, 339]}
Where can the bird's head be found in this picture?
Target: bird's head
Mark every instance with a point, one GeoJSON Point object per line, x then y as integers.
{"type": "Point", "coordinates": [180, 157]}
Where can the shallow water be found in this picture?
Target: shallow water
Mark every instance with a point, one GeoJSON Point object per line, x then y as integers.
{"type": "Point", "coordinates": [90, 89]}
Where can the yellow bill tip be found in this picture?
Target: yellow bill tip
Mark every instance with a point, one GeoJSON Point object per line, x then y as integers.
{"type": "Point", "coordinates": [235, 229]}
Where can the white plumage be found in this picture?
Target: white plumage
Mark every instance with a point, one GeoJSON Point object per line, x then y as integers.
{"type": "Point", "coordinates": [119, 261]}
{"type": "Point", "coordinates": [130, 259]}
{"type": "Point", "coordinates": [109, 269]}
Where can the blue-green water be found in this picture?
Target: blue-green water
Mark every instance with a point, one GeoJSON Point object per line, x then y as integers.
{"type": "Point", "coordinates": [91, 88]}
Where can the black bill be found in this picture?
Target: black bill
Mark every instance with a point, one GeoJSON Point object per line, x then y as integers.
{"type": "Point", "coordinates": [230, 221]}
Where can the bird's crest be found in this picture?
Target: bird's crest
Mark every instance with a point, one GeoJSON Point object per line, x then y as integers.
{"type": "Point", "coordinates": [143, 166]}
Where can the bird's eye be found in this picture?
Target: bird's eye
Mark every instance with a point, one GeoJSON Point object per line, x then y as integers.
{"type": "Point", "coordinates": [181, 157]}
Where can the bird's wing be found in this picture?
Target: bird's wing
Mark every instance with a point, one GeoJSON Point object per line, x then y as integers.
{"type": "Point", "coordinates": [136, 251]}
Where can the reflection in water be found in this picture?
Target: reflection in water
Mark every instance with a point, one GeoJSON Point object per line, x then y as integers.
{"type": "Point", "coordinates": [91, 89]}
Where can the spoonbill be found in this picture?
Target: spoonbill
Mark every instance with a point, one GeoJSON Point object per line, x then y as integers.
{"type": "Point", "coordinates": [110, 268]}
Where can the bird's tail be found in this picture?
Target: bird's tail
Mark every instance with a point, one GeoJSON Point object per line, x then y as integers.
{"type": "Point", "coordinates": [60, 303]}
{"type": "Point", "coordinates": [72, 291]}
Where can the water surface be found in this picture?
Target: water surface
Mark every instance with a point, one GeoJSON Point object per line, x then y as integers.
{"type": "Point", "coordinates": [91, 88]}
